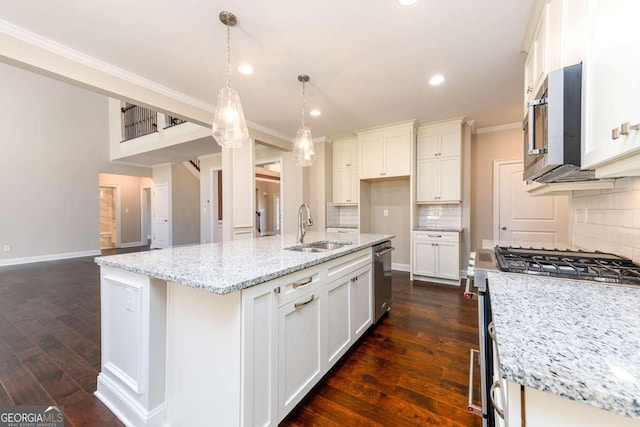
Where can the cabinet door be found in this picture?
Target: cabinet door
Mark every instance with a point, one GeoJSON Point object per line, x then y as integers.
{"type": "Point", "coordinates": [342, 155]}
{"type": "Point", "coordinates": [428, 144]}
{"type": "Point", "coordinates": [539, 46]}
{"type": "Point", "coordinates": [354, 186]}
{"type": "Point", "coordinates": [260, 356]}
{"type": "Point", "coordinates": [371, 149]}
{"type": "Point", "coordinates": [398, 155]}
{"type": "Point", "coordinates": [424, 258]}
{"type": "Point", "coordinates": [450, 142]}
{"type": "Point", "coordinates": [447, 260]}
{"type": "Point", "coordinates": [612, 86]}
{"type": "Point", "coordinates": [300, 350]}
{"type": "Point", "coordinates": [361, 303]}
{"type": "Point", "coordinates": [342, 186]}
{"type": "Point", "coordinates": [449, 177]}
{"type": "Point", "coordinates": [528, 79]}
{"type": "Point", "coordinates": [338, 316]}
{"type": "Point", "coordinates": [427, 180]}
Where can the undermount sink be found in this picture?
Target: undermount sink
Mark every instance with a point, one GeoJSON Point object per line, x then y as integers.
{"type": "Point", "coordinates": [322, 246]}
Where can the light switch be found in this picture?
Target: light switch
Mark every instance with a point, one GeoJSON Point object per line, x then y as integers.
{"type": "Point", "coordinates": [126, 210]}
{"type": "Point", "coordinates": [6, 248]}
{"type": "Point", "coordinates": [385, 212]}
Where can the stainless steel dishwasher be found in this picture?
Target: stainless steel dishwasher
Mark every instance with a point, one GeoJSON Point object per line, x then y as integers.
{"type": "Point", "coordinates": [381, 279]}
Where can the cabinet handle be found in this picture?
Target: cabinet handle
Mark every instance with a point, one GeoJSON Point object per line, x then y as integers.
{"type": "Point", "coordinates": [624, 128]}
{"type": "Point", "coordinates": [494, 386]}
{"type": "Point", "coordinates": [348, 200]}
{"type": "Point", "coordinates": [302, 283]}
{"type": "Point", "coordinates": [300, 304]}
{"type": "Point", "coordinates": [491, 331]}
{"type": "Point", "coordinates": [348, 164]}
{"type": "Point", "coordinates": [382, 173]}
{"type": "Point", "coordinates": [434, 235]}
{"type": "Point", "coordinates": [635, 127]}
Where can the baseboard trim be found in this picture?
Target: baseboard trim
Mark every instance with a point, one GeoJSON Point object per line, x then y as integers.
{"type": "Point", "coordinates": [127, 410]}
{"type": "Point", "coordinates": [450, 282]}
{"type": "Point", "coordinates": [400, 267]}
{"type": "Point", "coordinates": [51, 257]}
{"type": "Point", "coordinates": [131, 244]}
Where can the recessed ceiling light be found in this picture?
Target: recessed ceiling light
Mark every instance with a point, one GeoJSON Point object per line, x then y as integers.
{"type": "Point", "coordinates": [407, 2]}
{"type": "Point", "coordinates": [315, 112]}
{"type": "Point", "coordinates": [436, 80]}
{"type": "Point", "coordinates": [245, 69]}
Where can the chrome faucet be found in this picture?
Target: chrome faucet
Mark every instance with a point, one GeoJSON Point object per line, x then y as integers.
{"type": "Point", "coordinates": [301, 224]}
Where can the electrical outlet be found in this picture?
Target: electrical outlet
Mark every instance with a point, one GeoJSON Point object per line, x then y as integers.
{"type": "Point", "coordinates": [385, 212]}
{"type": "Point", "coordinates": [126, 210]}
{"type": "Point", "coordinates": [6, 248]}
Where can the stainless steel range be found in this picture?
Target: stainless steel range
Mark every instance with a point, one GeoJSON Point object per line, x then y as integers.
{"type": "Point", "coordinates": [596, 266]}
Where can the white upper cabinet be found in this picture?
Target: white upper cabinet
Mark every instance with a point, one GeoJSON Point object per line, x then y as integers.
{"type": "Point", "coordinates": [603, 35]}
{"type": "Point", "coordinates": [386, 151]}
{"type": "Point", "coordinates": [611, 85]}
{"type": "Point", "coordinates": [345, 172]}
{"type": "Point", "coordinates": [438, 174]}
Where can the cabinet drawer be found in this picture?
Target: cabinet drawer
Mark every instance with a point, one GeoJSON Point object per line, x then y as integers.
{"type": "Point", "coordinates": [297, 284]}
{"type": "Point", "coordinates": [436, 236]}
{"type": "Point", "coordinates": [348, 264]}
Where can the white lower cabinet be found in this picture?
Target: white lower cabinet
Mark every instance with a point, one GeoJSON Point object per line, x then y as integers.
{"type": "Point", "coordinates": [296, 328]}
{"type": "Point", "coordinates": [300, 349]}
{"type": "Point", "coordinates": [436, 254]}
{"type": "Point", "coordinates": [362, 302]}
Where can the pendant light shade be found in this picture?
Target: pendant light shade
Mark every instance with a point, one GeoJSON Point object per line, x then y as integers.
{"type": "Point", "coordinates": [304, 153]}
{"type": "Point", "coordinates": [229, 126]}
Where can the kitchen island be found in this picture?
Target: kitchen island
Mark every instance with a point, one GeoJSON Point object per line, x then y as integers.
{"type": "Point", "coordinates": [232, 333]}
{"type": "Point", "coordinates": [571, 347]}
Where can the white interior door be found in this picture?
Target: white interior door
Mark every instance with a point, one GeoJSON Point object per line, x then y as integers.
{"type": "Point", "coordinates": [160, 216]}
{"type": "Point", "coordinates": [518, 217]}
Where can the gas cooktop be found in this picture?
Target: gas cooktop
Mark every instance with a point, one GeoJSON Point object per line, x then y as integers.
{"type": "Point", "coordinates": [598, 266]}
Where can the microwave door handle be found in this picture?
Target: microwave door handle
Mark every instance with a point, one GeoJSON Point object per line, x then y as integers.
{"type": "Point", "coordinates": [532, 127]}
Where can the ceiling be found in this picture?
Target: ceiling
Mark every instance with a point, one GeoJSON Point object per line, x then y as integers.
{"type": "Point", "coordinates": [369, 61]}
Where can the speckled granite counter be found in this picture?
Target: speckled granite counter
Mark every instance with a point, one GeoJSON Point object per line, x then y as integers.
{"type": "Point", "coordinates": [226, 267]}
{"type": "Point", "coordinates": [349, 227]}
{"type": "Point", "coordinates": [576, 339]}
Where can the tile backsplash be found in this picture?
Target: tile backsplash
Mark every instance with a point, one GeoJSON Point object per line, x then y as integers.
{"type": "Point", "coordinates": [341, 215]}
{"type": "Point", "coordinates": [440, 216]}
{"type": "Point", "coordinates": [608, 220]}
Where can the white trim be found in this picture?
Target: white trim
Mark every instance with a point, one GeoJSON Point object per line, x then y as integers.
{"type": "Point", "coordinates": [213, 215]}
{"type": "Point", "coordinates": [270, 132]}
{"type": "Point", "coordinates": [508, 126]}
{"type": "Point", "coordinates": [144, 240]}
{"type": "Point", "coordinates": [50, 257]}
{"type": "Point", "coordinates": [400, 267]}
{"type": "Point", "coordinates": [131, 245]}
{"type": "Point", "coordinates": [496, 194]}
{"type": "Point", "coordinates": [131, 413]}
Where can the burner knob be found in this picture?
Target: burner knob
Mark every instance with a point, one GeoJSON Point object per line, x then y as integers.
{"type": "Point", "coordinates": [471, 272]}
{"type": "Point", "coordinates": [472, 262]}
{"type": "Point", "coordinates": [472, 255]}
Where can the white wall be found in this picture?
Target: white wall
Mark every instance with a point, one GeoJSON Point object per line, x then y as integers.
{"type": "Point", "coordinates": [608, 220]}
{"type": "Point", "coordinates": [55, 142]}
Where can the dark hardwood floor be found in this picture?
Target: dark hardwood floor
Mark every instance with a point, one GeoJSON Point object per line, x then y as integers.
{"type": "Point", "coordinates": [410, 370]}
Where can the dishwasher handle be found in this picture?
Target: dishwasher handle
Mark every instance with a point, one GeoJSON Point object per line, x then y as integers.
{"type": "Point", "coordinates": [385, 251]}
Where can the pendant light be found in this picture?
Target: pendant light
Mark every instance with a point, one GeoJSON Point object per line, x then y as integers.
{"type": "Point", "coordinates": [229, 127]}
{"type": "Point", "coordinates": [303, 150]}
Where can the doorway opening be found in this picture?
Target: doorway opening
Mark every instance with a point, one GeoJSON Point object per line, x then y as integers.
{"type": "Point", "coordinates": [145, 216]}
{"type": "Point", "coordinates": [109, 217]}
{"type": "Point", "coordinates": [215, 206]}
{"type": "Point", "coordinates": [268, 187]}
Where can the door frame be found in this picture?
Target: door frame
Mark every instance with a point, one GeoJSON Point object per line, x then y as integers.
{"type": "Point", "coordinates": [265, 161]}
{"type": "Point", "coordinates": [144, 240]}
{"type": "Point", "coordinates": [213, 213]}
{"type": "Point", "coordinates": [116, 189]}
{"type": "Point", "coordinates": [496, 194]}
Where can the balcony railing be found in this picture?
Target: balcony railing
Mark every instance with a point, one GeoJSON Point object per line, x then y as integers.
{"type": "Point", "coordinates": [171, 121]}
{"type": "Point", "coordinates": [138, 121]}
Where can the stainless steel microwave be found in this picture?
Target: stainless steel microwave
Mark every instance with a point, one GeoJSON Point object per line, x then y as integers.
{"type": "Point", "coordinates": [552, 129]}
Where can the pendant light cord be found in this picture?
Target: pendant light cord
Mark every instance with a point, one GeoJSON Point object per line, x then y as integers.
{"type": "Point", "coordinates": [228, 56]}
{"type": "Point", "coordinates": [304, 102]}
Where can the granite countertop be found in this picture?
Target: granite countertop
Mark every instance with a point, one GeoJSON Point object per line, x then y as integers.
{"type": "Point", "coordinates": [351, 227]}
{"type": "Point", "coordinates": [576, 339]}
{"type": "Point", "coordinates": [222, 268]}
{"type": "Point", "coordinates": [445, 229]}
